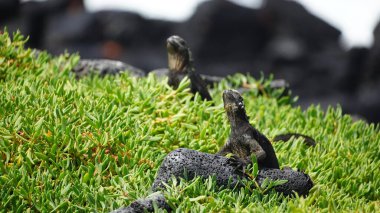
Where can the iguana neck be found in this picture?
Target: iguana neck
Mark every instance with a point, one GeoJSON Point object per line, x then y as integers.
{"type": "Point", "coordinates": [189, 68]}
{"type": "Point", "coordinates": [238, 121]}
{"type": "Point", "coordinates": [174, 78]}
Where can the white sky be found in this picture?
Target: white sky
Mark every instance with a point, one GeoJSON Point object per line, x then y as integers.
{"type": "Point", "coordinates": [355, 18]}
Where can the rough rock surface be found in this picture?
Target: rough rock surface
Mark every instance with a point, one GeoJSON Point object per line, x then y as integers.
{"type": "Point", "coordinates": [145, 204]}
{"type": "Point", "coordinates": [186, 163]}
{"type": "Point", "coordinates": [196, 164]}
{"type": "Point", "coordinates": [297, 181]}
{"type": "Point", "coordinates": [105, 67]}
{"type": "Point", "coordinates": [204, 165]}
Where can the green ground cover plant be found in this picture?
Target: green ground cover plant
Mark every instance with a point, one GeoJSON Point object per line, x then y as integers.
{"type": "Point", "coordinates": [95, 144]}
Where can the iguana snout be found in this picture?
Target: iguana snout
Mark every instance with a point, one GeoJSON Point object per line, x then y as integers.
{"type": "Point", "coordinates": [233, 101]}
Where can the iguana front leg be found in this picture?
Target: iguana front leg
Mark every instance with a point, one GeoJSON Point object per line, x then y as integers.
{"type": "Point", "coordinates": [255, 148]}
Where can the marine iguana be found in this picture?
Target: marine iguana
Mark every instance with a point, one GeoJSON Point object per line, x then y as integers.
{"type": "Point", "coordinates": [244, 139]}
{"type": "Point", "coordinates": [180, 64]}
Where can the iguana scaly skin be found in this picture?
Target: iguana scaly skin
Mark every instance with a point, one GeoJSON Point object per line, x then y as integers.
{"type": "Point", "coordinates": [244, 139]}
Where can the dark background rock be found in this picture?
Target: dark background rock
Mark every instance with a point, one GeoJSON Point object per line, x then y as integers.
{"type": "Point", "coordinates": [225, 38]}
{"type": "Point", "coordinates": [373, 73]}
{"type": "Point", "coordinates": [9, 8]}
{"type": "Point", "coordinates": [282, 38]}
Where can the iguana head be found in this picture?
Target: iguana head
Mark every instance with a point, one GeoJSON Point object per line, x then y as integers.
{"type": "Point", "coordinates": [233, 101]}
{"type": "Point", "coordinates": [234, 106]}
{"type": "Point", "coordinates": [178, 53]}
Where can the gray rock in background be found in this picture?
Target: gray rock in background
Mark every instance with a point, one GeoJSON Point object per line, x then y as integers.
{"type": "Point", "coordinates": [104, 67]}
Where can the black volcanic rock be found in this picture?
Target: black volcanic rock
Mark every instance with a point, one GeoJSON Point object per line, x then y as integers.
{"type": "Point", "coordinates": [82, 37]}
{"type": "Point", "coordinates": [292, 17]}
{"type": "Point", "coordinates": [61, 31]}
{"type": "Point", "coordinates": [364, 72]}
{"type": "Point", "coordinates": [8, 8]}
{"type": "Point", "coordinates": [113, 35]}
{"type": "Point", "coordinates": [374, 57]}
{"type": "Point", "coordinates": [368, 100]}
{"type": "Point", "coordinates": [357, 64]}
{"type": "Point", "coordinates": [105, 67]}
{"type": "Point", "coordinates": [145, 204]}
{"type": "Point", "coordinates": [123, 27]}
{"type": "Point", "coordinates": [304, 50]}
{"type": "Point", "coordinates": [297, 181]}
{"type": "Point", "coordinates": [186, 163]}
{"type": "Point", "coordinates": [221, 31]}
{"type": "Point", "coordinates": [30, 18]}
{"type": "Point", "coordinates": [196, 164]}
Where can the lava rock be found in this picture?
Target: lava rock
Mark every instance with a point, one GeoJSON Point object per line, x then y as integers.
{"type": "Point", "coordinates": [105, 67]}
{"type": "Point", "coordinates": [223, 31]}
{"type": "Point", "coordinates": [296, 51]}
{"type": "Point", "coordinates": [61, 34]}
{"type": "Point", "coordinates": [374, 57]}
{"type": "Point", "coordinates": [146, 204]}
{"type": "Point", "coordinates": [196, 164]}
{"type": "Point", "coordinates": [8, 8]}
{"type": "Point", "coordinates": [297, 181]}
{"type": "Point", "coordinates": [186, 163]}
{"type": "Point", "coordinates": [357, 65]}
{"type": "Point", "coordinates": [290, 17]}
{"type": "Point", "coordinates": [31, 18]}
{"type": "Point", "coordinates": [366, 101]}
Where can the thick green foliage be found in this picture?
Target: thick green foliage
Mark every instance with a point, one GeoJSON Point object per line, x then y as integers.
{"type": "Point", "coordinates": [95, 144]}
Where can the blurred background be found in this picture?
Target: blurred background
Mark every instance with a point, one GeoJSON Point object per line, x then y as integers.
{"type": "Point", "coordinates": [328, 50]}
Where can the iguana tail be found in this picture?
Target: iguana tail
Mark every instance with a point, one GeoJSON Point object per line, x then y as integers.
{"type": "Point", "coordinates": [285, 137]}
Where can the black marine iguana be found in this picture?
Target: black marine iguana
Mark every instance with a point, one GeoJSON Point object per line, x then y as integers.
{"type": "Point", "coordinates": [180, 64]}
{"type": "Point", "coordinates": [244, 139]}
